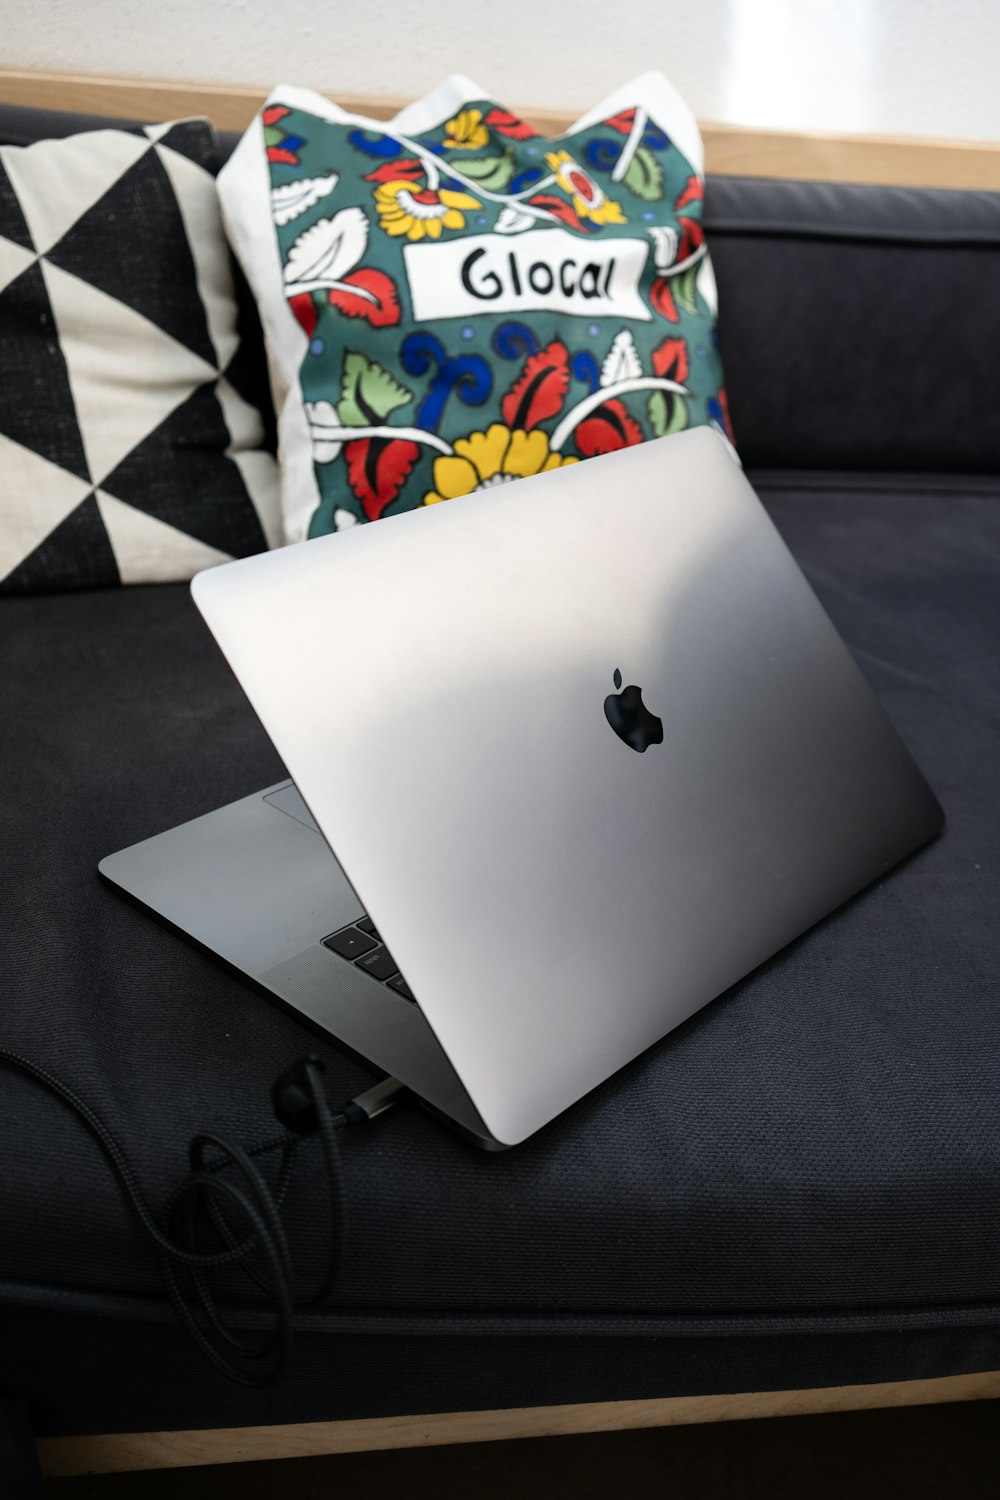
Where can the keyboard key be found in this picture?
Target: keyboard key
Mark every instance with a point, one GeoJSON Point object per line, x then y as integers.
{"type": "Point", "coordinates": [350, 943]}
{"type": "Point", "coordinates": [380, 964]}
{"type": "Point", "coordinates": [401, 987]}
{"type": "Point", "coordinates": [367, 925]}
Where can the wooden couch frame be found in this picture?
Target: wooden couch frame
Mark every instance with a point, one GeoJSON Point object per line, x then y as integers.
{"type": "Point", "coordinates": [895, 160]}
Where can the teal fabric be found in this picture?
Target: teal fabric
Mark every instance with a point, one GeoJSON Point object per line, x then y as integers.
{"type": "Point", "coordinates": [503, 302]}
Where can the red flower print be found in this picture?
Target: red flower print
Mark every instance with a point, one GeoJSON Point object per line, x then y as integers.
{"type": "Point", "coordinates": [670, 360]}
{"type": "Point", "coordinates": [608, 429]}
{"type": "Point", "coordinates": [304, 308]}
{"type": "Point", "coordinates": [396, 171]}
{"type": "Point", "coordinates": [692, 192]}
{"type": "Point", "coordinates": [662, 299]}
{"type": "Point", "coordinates": [622, 122]}
{"type": "Point", "coordinates": [692, 237]}
{"type": "Point", "coordinates": [540, 389]}
{"type": "Point", "coordinates": [380, 307]}
{"type": "Point", "coordinates": [560, 209]}
{"type": "Point", "coordinates": [377, 469]}
{"type": "Point", "coordinates": [504, 123]}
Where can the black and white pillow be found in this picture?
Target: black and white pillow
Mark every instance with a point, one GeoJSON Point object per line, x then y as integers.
{"type": "Point", "coordinates": [127, 452]}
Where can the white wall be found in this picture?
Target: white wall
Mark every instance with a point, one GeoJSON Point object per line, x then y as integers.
{"type": "Point", "coordinates": [907, 67]}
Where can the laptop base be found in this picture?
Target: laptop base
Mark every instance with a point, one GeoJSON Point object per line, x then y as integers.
{"type": "Point", "coordinates": [255, 885]}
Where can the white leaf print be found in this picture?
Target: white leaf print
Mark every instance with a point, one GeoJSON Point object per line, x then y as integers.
{"type": "Point", "coordinates": [512, 220]}
{"type": "Point", "coordinates": [665, 242]}
{"type": "Point", "coordinates": [322, 415]}
{"type": "Point", "coordinates": [705, 283]}
{"type": "Point", "coordinates": [325, 453]}
{"type": "Point", "coordinates": [622, 361]}
{"type": "Point", "coordinates": [292, 199]}
{"type": "Point", "coordinates": [325, 251]}
{"type": "Point", "coordinates": [343, 518]}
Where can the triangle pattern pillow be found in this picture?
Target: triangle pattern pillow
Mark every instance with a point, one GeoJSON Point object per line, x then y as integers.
{"type": "Point", "coordinates": [128, 453]}
{"type": "Point", "coordinates": [452, 300]}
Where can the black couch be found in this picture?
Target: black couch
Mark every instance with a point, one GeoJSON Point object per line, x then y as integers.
{"type": "Point", "coordinates": [800, 1187]}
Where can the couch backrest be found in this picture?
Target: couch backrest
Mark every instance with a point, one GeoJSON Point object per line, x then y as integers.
{"type": "Point", "coordinates": [860, 326]}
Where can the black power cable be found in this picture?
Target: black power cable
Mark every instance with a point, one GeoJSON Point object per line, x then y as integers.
{"type": "Point", "coordinates": [261, 1248]}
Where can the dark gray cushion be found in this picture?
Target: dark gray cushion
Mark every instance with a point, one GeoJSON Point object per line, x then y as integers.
{"type": "Point", "coordinates": [800, 1186]}
{"type": "Point", "coordinates": [858, 325]}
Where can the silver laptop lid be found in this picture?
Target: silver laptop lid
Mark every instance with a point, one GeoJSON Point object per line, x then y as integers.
{"type": "Point", "coordinates": [437, 686]}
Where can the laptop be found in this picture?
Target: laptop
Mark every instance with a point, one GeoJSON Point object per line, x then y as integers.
{"type": "Point", "coordinates": [566, 759]}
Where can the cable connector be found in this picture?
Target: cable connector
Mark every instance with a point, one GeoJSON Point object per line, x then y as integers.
{"type": "Point", "coordinates": [294, 1097]}
{"type": "Point", "coordinates": [374, 1101]}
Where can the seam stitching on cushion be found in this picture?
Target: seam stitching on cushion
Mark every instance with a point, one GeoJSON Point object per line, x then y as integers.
{"type": "Point", "coordinates": [631, 1325]}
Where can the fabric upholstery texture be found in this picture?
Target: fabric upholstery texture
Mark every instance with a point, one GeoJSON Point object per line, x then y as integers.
{"type": "Point", "coordinates": [129, 452]}
{"type": "Point", "coordinates": [815, 1154]}
{"type": "Point", "coordinates": [858, 325]}
{"type": "Point", "coordinates": [801, 1186]}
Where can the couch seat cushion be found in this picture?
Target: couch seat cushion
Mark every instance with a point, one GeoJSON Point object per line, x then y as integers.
{"type": "Point", "coordinates": [817, 1153]}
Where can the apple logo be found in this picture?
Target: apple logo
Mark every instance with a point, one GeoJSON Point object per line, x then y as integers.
{"type": "Point", "coordinates": [630, 719]}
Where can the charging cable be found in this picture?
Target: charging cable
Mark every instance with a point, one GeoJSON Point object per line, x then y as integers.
{"type": "Point", "coordinates": [225, 1213]}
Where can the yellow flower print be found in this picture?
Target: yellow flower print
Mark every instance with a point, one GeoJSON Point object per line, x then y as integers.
{"type": "Point", "coordinates": [485, 459]}
{"type": "Point", "coordinates": [589, 198]}
{"type": "Point", "coordinates": [467, 130]}
{"type": "Point", "coordinates": [402, 209]}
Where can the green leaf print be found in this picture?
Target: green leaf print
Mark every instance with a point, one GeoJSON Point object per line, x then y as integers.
{"type": "Point", "coordinates": [368, 393]}
{"type": "Point", "coordinates": [490, 172]}
{"type": "Point", "coordinates": [645, 175]}
{"type": "Point", "coordinates": [668, 413]}
{"type": "Point", "coordinates": [685, 293]}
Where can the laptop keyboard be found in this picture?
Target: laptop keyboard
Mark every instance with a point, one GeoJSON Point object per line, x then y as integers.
{"type": "Point", "coordinates": [361, 945]}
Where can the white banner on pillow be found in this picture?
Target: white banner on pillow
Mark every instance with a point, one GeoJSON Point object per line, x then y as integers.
{"type": "Point", "coordinates": [545, 270]}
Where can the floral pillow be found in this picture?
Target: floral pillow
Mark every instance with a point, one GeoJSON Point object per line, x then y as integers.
{"type": "Point", "coordinates": [453, 301]}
